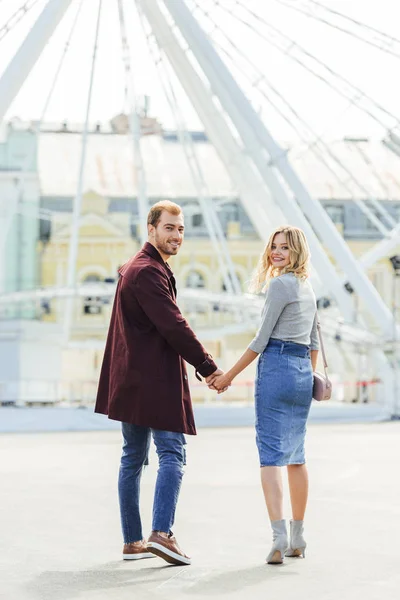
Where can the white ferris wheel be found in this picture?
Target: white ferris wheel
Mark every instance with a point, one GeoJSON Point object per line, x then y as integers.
{"type": "Point", "coordinates": [203, 45]}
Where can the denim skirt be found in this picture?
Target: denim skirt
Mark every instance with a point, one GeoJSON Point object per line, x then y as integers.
{"type": "Point", "coordinates": [283, 395]}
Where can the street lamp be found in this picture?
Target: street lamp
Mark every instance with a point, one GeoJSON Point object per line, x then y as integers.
{"type": "Point", "coordinates": [361, 390]}
{"type": "Point", "coordinates": [395, 261]}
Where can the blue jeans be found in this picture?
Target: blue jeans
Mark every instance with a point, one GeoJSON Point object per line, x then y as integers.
{"type": "Point", "coordinates": [170, 447]}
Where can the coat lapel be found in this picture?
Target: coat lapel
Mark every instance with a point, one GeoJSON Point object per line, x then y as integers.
{"type": "Point", "coordinates": [153, 252]}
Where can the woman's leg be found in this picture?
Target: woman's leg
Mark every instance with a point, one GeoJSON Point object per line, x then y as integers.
{"type": "Point", "coordinates": [271, 481]}
{"type": "Point", "coordinates": [298, 485]}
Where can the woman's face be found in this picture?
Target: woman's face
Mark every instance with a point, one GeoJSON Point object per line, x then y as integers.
{"type": "Point", "coordinates": [279, 252]}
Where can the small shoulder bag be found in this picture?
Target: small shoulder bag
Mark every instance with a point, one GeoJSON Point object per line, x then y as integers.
{"type": "Point", "coordinates": [322, 386]}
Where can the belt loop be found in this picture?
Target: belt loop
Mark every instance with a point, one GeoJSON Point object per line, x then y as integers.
{"type": "Point", "coordinates": [282, 347]}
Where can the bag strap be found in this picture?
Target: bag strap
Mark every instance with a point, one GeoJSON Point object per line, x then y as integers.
{"type": "Point", "coordinates": [322, 348]}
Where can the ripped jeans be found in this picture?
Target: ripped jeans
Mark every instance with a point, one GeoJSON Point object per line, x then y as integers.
{"type": "Point", "coordinates": [170, 447]}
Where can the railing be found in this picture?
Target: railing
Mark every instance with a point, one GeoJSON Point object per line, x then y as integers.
{"type": "Point", "coordinates": [26, 392]}
{"type": "Point", "coordinates": [30, 392]}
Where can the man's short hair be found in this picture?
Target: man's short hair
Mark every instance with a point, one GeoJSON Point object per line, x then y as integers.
{"type": "Point", "coordinates": [154, 215]}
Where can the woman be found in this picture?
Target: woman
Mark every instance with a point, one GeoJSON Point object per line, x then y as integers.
{"type": "Point", "coordinates": [285, 343]}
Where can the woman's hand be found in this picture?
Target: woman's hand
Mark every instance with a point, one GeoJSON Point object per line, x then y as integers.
{"type": "Point", "coordinates": [220, 383]}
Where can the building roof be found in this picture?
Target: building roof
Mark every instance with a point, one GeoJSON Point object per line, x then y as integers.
{"type": "Point", "coordinates": [110, 171]}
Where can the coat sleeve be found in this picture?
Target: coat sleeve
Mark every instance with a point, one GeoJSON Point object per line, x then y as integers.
{"type": "Point", "coordinates": [154, 296]}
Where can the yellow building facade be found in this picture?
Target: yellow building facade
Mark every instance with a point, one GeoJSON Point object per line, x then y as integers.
{"type": "Point", "coordinates": [105, 243]}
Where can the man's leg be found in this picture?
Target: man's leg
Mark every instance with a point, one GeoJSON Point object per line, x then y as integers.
{"type": "Point", "coordinates": [134, 453]}
{"type": "Point", "coordinates": [171, 452]}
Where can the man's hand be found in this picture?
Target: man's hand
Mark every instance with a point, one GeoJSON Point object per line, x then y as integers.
{"type": "Point", "coordinates": [221, 383]}
{"type": "Point", "coordinates": [216, 380]}
{"type": "Point", "coordinates": [210, 379]}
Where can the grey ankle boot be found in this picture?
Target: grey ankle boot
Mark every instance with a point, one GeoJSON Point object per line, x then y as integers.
{"type": "Point", "coordinates": [280, 542]}
{"type": "Point", "coordinates": [297, 542]}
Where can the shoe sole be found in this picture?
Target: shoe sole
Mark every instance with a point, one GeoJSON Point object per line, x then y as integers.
{"type": "Point", "coordinates": [171, 557]}
{"type": "Point", "coordinates": [137, 556]}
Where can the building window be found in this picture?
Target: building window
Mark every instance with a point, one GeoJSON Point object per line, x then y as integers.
{"type": "Point", "coordinates": [45, 307]}
{"type": "Point", "coordinates": [336, 213]}
{"type": "Point", "coordinates": [223, 286]}
{"type": "Point", "coordinates": [92, 305]}
{"type": "Point", "coordinates": [397, 212]}
{"type": "Point", "coordinates": [231, 212]}
{"type": "Point", "coordinates": [369, 224]}
{"type": "Point", "coordinates": [195, 280]}
{"type": "Point", "coordinates": [197, 220]}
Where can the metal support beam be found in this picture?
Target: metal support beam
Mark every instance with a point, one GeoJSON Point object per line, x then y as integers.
{"type": "Point", "coordinates": [246, 180]}
{"type": "Point", "coordinates": [76, 214]}
{"type": "Point", "coordinates": [29, 51]}
{"type": "Point", "coordinates": [134, 127]}
{"type": "Point", "coordinates": [383, 248]}
{"type": "Point", "coordinates": [214, 228]}
{"type": "Point", "coordinates": [256, 152]}
{"type": "Point", "coordinates": [248, 122]}
{"type": "Point", "coordinates": [260, 204]}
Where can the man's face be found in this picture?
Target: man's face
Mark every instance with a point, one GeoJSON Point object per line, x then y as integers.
{"type": "Point", "coordinates": [167, 236]}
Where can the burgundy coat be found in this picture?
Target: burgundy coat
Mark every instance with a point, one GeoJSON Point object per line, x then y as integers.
{"type": "Point", "coordinates": [143, 377]}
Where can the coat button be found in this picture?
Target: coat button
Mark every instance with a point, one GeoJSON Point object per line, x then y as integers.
{"type": "Point", "coordinates": [185, 376]}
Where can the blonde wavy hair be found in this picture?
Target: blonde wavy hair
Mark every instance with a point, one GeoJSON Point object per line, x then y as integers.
{"type": "Point", "coordinates": [299, 257]}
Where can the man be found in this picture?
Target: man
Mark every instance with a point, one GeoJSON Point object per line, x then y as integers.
{"type": "Point", "coordinates": [143, 383]}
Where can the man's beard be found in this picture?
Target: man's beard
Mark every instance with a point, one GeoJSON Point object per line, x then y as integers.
{"type": "Point", "coordinates": [165, 248]}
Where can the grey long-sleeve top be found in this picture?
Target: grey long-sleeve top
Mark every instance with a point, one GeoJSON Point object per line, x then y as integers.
{"type": "Point", "coordinates": [289, 314]}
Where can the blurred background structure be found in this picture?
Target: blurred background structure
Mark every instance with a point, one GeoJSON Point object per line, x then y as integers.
{"type": "Point", "coordinates": [247, 116]}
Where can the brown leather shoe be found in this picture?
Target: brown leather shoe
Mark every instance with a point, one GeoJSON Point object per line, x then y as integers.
{"type": "Point", "coordinates": [167, 548]}
{"type": "Point", "coordinates": [136, 551]}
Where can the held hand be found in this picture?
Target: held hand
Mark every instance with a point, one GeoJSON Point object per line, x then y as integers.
{"type": "Point", "coordinates": [211, 378]}
{"type": "Point", "coordinates": [221, 383]}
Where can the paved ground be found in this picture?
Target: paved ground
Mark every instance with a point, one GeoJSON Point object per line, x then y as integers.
{"type": "Point", "coordinates": [59, 527]}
